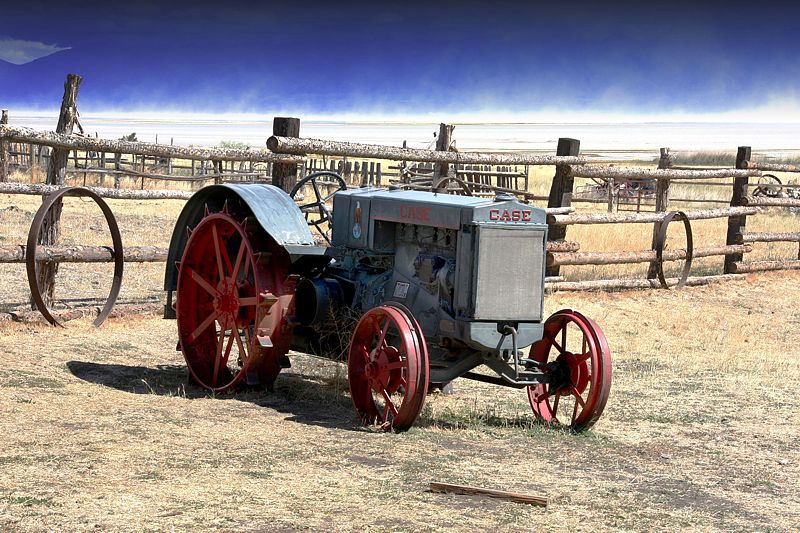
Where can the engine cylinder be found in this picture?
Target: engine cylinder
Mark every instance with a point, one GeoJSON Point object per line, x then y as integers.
{"type": "Point", "coordinates": [316, 300]}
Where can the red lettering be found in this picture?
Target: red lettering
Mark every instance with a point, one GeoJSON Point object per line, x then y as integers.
{"type": "Point", "coordinates": [418, 214]}
{"type": "Point", "coordinates": [514, 215]}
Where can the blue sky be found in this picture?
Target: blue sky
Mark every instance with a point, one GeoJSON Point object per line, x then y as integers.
{"type": "Point", "coordinates": [404, 59]}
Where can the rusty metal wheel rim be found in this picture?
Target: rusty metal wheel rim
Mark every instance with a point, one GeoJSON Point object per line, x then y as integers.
{"type": "Point", "coordinates": [661, 242]}
{"type": "Point", "coordinates": [769, 185]}
{"type": "Point", "coordinates": [33, 238]}
{"type": "Point", "coordinates": [232, 294]}
{"type": "Point", "coordinates": [441, 186]}
{"type": "Point", "coordinates": [583, 375]}
{"type": "Point", "coordinates": [387, 363]}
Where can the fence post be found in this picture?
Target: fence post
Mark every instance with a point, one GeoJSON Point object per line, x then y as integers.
{"type": "Point", "coordinates": [737, 223]}
{"type": "Point", "coordinates": [662, 204]}
{"type": "Point", "coordinates": [442, 170]}
{"type": "Point", "coordinates": [284, 175]}
{"type": "Point", "coordinates": [561, 192]}
{"type": "Point", "coordinates": [56, 173]}
{"type": "Point", "coordinates": [4, 150]}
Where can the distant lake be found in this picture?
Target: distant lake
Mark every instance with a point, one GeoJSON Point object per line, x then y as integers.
{"type": "Point", "coordinates": [615, 140]}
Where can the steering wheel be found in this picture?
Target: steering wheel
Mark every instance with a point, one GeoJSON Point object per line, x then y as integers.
{"type": "Point", "coordinates": [318, 205]}
{"type": "Point", "coordinates": [443, 186]}
{"type": "Point", "coordinates": [768, 185]}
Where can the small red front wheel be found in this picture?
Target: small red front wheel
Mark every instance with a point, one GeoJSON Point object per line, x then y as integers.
{"type": "Point", "coordinates": [575, 357]}
{"type": "Point", "coordinates": [387, 368]}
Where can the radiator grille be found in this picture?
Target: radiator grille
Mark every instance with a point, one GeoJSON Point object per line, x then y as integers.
{"type": "Point", "coordinates": [508, 274]}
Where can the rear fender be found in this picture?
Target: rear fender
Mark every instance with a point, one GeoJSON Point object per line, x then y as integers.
{"type": "Point", "coordinates": [274, 210]}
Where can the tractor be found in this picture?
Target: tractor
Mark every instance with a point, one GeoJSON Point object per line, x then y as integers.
{"type": "Point", "coordinates": [413, 288]}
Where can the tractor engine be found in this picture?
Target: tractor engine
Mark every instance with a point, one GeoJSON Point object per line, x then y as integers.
{"type": "Point", "coordinates": [467, 268]}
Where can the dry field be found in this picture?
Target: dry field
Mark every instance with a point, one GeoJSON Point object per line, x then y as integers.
{"type": "Point", "coordinates": [99, 429]}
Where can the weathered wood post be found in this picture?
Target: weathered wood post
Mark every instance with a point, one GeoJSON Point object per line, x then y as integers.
{"type": "Point", "coordinates": [561, 192]}
{"type": "Point", "coordinates": [442, 170]}
{"type": "Point", "coordinates": [737, 223]}
{"type": "Point", "coordinates": [56, 172]}
{"type": "Point", "coordinates": [284, 175]}
{"type": "Point", "coordinates": [4, 150]}
{"type": "Point", "coordinates": [662, 204]}
{"type": "Point", "coordinates": [218, 170]}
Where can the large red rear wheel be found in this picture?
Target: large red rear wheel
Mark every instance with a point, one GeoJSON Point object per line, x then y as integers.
{"type": "Point", "coordinates": [388, 368]}
{"type": "Point", "coordinates": [233, 299]}
{"type": "Point", "coordinates": [574, 355]}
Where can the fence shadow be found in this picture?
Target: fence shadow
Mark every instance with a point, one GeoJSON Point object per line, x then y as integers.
{"type": "Point", "coordinates": [306, 399]}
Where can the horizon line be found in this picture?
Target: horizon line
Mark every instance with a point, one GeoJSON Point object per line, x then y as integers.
{"type": "Point", "coordinates": [766, 115]}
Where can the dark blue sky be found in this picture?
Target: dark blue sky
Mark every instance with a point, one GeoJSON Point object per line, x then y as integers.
{"type": "Point", "coordinates": [403, 58]}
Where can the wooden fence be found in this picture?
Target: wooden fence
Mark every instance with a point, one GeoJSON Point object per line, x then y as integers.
{"type": "Point", "coordinates": [290, 157]}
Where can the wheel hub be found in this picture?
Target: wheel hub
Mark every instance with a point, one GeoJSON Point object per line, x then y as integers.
{"type": "Point", "coordinates": [228, 299]}
{"type": "Point", "coordinates": [378, 371]}
{"type": "Point", "coordinates": [568, 370]}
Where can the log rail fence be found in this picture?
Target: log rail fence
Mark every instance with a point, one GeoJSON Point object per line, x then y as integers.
{"type": "Point", "coordinates": [290, 156]}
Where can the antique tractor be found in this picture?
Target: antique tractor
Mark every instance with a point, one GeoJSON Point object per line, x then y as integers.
{"type": "Point", "coordinates": [415, 289]}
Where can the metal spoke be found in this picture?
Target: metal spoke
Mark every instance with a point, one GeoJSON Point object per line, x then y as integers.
{"type": "Point", "coordinates": [243, 355]}
{"type": "Point", "coordinates": [575, 412]}
{"type": "Point", "coordinates": [317, 194]}
{"type": "Point", "coordinates": [389, 404]}
{"type": "Point", "coordinates": [238, 264]}
{"type": "Point", "coordinates": [218, 356]}
{"type": "Point", "coordinates": [577, 395]}
{"type": "Point", "coordinates": [555, 403]}
{"type": "Point", "coordinates": [247, 301]}
{"type": "Point", "coordinates": [203, 283]}
{"type": "Point", "coordinates": [203, 326]}
{"type": "Point", "coordinates": [222, 360]}
{"type": "Point", "coordinates": [217, 251]}
{"type": "Point", "coordinates": [384, 331]}
{"type": "Point", "coordinates": [558, 346]}
{"type": "Point", "coordinates": [395, 365]}
{"type": "Point", "coordinates": [583, 357]}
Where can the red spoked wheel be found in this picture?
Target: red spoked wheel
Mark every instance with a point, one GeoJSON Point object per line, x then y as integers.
{"type": "Point", "coordinates": [387, 368]}
{"type": "Point", "coordinates": [574, 355]}
{"type": "Point", "coordinates": [233, 300]}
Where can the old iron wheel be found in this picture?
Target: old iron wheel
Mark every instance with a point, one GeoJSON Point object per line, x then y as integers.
{"type": "Point", "coordinates": [443, 186]}
{"type": "Point", "coordinates": [577, 371]}
{"type": "Point", "coordinates": [33, 237]}
{"type": "Point", "coordinates": [605, 366]}
{"type": "Point", "coordinates": [661, 242]}
{"type": "Point", "coordinates": [232, 299]}
{"type": "Point", "coordinates": [318, 206]}
{"type": "Point", "coordinates": [768, 185]}
{"type": "Point", "coordinates": [445, 388]}
{"type": "Point", "coordinates": [387, 368]}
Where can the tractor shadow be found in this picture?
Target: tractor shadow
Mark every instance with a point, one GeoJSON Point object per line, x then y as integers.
{"type": "Point", "coordinates": [305, 398]}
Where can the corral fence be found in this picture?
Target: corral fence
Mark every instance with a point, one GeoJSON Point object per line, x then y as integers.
{"type": "Point", "coordinates": [444, 169]}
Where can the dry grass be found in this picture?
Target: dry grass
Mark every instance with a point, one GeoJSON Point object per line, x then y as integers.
{"type": "Point", "coordinates": [99, 430]}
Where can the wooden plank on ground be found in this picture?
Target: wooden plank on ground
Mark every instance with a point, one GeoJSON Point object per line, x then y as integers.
{"type": "Point", "coordinates": [492, 493]}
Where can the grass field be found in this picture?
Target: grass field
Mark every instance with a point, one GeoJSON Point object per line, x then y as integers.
{"type": "Point", "coordinates": [99, 429]}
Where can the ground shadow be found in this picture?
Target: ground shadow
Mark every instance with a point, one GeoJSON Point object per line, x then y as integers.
{"type": "Point", "coordinates": [306, 399]}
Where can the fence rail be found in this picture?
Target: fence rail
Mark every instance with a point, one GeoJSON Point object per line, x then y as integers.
{"type": "Point", "coordinates": [483, 173]}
